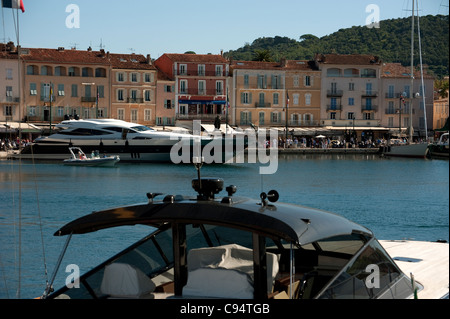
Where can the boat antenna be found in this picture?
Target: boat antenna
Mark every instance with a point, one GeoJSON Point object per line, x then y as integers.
{"type": "Point", "coordinates": [422, 93]}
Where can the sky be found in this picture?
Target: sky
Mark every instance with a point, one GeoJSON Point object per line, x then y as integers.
{"type": "Point", "coordinates": [203, 26]}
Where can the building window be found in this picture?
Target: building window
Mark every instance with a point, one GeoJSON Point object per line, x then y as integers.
{"type": "Point", "coordinates": [219, 88]}
{"type": "Point", "coordinates": [307, 99]}
{"type": "Point", "coordinates": [33, 89]}
{"type": "Point", "coordinates": [246, 98]}
{"type": "Point", "coordinates": [183, 69]}
{"type": "Point", "coordinates": [296, 81]}
{"type": "Point", "coordinates": [219, 70]}
{"type": "Point", "coordinates": [183, 86]}
{"type": "Point", "coordinates": [9, 93]}
{"type": "Point", "coordinates": [134, 77]}
{"type": "Point", "coordinates": [101, 91]}
{"type": "Point", "coordinates": [275, 117]}
{"type": "Point", "coordinates": [148, 77]}
{"type": "Point", "coordinates": [147, 95]}
{"type": "Point", "coordinates": [134, 115]}
{"type": "Point", "coordinates": [120, 77]}
{"type": "Point", "coordinates": [307, 80]}
{"type": "Point", "coordinates": [9, 75]}
{"type": "Point", "coordinates": [351, 101]}
{"type": "Point", "coordinates": [71, 71]}
{"type": "Point", "coordinates": [275, 98]}
{"type": "Point", "coordinates": [168, 104]}
{"type": "Point", "coordinates": [120, 95]}
{"type": "Point", "coordinates": [202, 87]}
{"type": "Point", "coordinates": [201, 69]}
{"type": "Point", "coordinates": [74, 90]}
{"type": "Point", "coordinates": [351, 86]}
{"type": "Point", "coordinates": [295, 98]}
{"type": "Point", "coordinates": [8, 110]}
{"type": "Point", "coordinates": [332, 115]}
{"type": "Point", "coordinates": [246, 118]}
{"type": "Point", "coordinates": [350, 116]}
{"type": "Point", "coordinates": [246, 81]}
{"type": "Point", "coordinates": [261, 118]}
{"type": "Point", "coordinates": [147, 115]}
{"type": "Point", "coordinates": [61, 90]}
{"type": "Point", "coordinates": [120, 114]}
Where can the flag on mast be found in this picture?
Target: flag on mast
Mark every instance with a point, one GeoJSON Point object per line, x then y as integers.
{"type": "Point", "coordinates": [13, 4]}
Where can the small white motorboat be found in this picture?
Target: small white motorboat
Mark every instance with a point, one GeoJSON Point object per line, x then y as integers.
{"type": "Point", "coordinates": [79, 158]}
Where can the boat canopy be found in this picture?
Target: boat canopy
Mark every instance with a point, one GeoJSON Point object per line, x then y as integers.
{"type": "Point", "coordinates": [297, 224]}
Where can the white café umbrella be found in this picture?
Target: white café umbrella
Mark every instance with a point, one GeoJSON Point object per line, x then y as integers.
{"type": "Point", "coordinates": [320, 136]}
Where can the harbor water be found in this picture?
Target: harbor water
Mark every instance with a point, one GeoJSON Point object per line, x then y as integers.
{"type": "Point", "coordinates": [395, 198]}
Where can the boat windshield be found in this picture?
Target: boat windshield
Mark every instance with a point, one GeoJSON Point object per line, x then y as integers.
{"type": "Point", "coordinates": [370, 274]}
{"type": "Point", "coordinates": [142, 128]}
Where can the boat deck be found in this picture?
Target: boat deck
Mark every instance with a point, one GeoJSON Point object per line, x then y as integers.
{"type": "Point", "coordinates": [432, 273]}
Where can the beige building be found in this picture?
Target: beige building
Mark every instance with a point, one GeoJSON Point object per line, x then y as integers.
{"type": "Point", "coordinates": [350, 93]}
{"type": "Point", "coordinates": [266, 94]}
{"type": "Point", "coordinates": [9, 88]}
{"type": "Point", "coordinates": [133, 88]}
{"type": "Point", "coordinates": [400, 100]}
{"type": "Point", "coordinates": [60, 83]}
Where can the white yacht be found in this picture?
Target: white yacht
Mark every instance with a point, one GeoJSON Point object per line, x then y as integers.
{"type": "Point", "coordinates": [132, 142]}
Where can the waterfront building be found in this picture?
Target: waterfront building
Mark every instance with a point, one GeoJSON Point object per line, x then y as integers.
{"type": "Point", "coordinates": [275, 94]}
{"type": "Point", "coordinates": [133, 88]}
{"type": "Point", "coordinates": [398, 97]}
{"type": "Point", "coordinates": [350, 94]}
{"type": "Point", "coordinates": [200, 86]}
{"type": "Point", "coordinates": [60, 83]}
{"type": "Point", "coordinates": [440, 111]}
{"type": "Point", "coordinates": [303, 86]}
{"type": "Point", "coordinates": [9, 89]}
{"type": "Point", "coordinates": [165, 100]}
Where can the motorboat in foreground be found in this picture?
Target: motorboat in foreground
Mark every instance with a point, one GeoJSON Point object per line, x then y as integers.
{"type": "Point", "coordinates": [233, 247]}
{"type": "Point", "coordinates": [79, 158]}
{"type": "Point", "coordinates": [132, 142]}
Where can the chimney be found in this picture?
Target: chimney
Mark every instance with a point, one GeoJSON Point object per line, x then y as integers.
{"type": "Point", "coordinates": [10, 46]}
{"type": "Point", "coordinates": [283, 62]}
{"type": "Point", "coordinates": [89, 49]}
{"type": "Point", "coordinates": [149, 60]}
{"type": "Point", "coordinates": [60, 49]}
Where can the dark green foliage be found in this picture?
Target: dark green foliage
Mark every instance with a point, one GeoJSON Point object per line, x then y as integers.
{"type": "Point", "coordinates": [392, 42]}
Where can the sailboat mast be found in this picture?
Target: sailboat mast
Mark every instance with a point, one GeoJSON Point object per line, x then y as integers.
{"type": "Point", "coordinates": [411, 90]}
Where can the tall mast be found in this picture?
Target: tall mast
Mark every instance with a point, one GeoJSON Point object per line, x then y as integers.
{"type": "Point", "coordinates": [411, 90]}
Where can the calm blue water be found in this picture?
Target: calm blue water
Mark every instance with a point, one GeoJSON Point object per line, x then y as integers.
{"type": "Point", "coordinates": [395, 198]}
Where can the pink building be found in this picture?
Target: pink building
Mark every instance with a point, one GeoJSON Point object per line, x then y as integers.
{"type": "Point", "coordinates": [200, 85]}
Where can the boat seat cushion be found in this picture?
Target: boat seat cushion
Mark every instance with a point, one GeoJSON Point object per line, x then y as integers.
{"type": "Point", "coordinates": [225, 272]}
{"type": "Point", "coordinates": [125, 281]}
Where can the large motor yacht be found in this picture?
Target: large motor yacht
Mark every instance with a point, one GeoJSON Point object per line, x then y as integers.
{"type": "Point", "coordinates": [132, 142]}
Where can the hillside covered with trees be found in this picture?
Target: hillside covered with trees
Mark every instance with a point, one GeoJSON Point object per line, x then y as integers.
{"type": "Point", "coordinates": [391, 42]}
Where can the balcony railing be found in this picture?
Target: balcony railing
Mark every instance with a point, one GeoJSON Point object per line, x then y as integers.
{"type": "Point", "coordinates": [334, 93]}
{"type": "Point", "coordinates": [369, 94]}
{"type": "Point", "coordinates": [88, 99]}
{"type": "Point", "coordinates": [199, 73]}
{"type": "Point", "coordinates": [369, 108]}
{"type": "Point", "coordinates": [196, 91]}
{"type": "Point", "coordinates": [135, 100]}
{"type": "Point", "coordinates": [258, 104]}
{"type": "Point", "coordinates": [331, 108]}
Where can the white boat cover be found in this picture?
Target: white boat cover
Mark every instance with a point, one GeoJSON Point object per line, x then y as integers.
{"type": "Point", "coordinates": [125, 281]}
{"type": "Point", "coordinates": [225, 272]}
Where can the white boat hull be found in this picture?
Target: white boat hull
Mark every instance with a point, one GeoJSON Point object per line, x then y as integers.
{"type": "Point", "coordinates": [410, 150]}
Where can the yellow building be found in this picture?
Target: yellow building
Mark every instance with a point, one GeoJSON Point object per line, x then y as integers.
{"type": "Point", "coordinates": [60, 83]}
{"type": "Point", "coordinates": [261, 91]}
{"type": "Point", "coordinates": [133, 88]}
